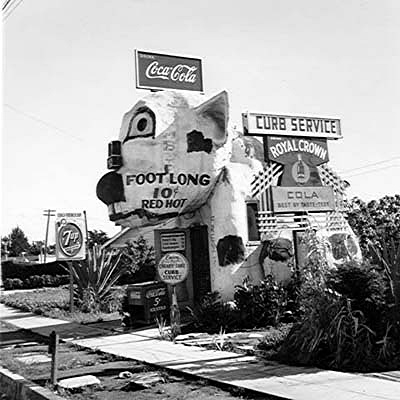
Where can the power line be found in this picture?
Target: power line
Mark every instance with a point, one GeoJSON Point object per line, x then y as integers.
{"type": "Point", "coordinates": [373, 170]}
{"type": "Point", "coordinates": [10, 9]}
{"type": "Point", "coordinates": [369, 165]}
{"type": "Point", "coordinates": [7, 2]}
{"type": "Point", "coordinates": [43, 122]}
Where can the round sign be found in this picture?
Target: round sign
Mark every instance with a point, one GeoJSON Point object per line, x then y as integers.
{"type": "Point", "coordinates": [70, 239]}
{"type": "Point", "coordinates": [173, 268]}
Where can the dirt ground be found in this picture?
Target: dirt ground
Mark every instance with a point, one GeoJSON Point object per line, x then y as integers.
{"type": "Point", "coordinates": [118, 377]}
{"type": "Point", "coordinates": [172, 388]}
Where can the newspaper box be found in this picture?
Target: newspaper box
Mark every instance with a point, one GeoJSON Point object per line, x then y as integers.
{"type": "Point", "coordinates": [147, 301]}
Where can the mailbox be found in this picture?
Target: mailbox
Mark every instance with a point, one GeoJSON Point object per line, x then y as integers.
{"type": "Point", "coordinates": [147, 300]}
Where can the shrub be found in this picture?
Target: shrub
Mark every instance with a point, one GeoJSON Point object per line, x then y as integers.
{"type": "Point", "coordinates": [260, 305]}
{"type": "Point", "coordinates": [266, 304]}
{"type": "Point", "coordinates": [25, 271]}
{"type": "Point", "coordinates": [389, 257]}
{"type": "Point", "coordinates": [344, 322]}
{"type": "Point", "coordinates": [333, 335]}
{"type": "Point", "coordinates": [138, 260]}
{"type": "Point", "coordinates": [212, 314]}
{"type": "Point", "coordinates": [35, 282]}
{"type": "Point", "coordinates": [13, 283]}
{"type": "Point", "coordinates": [364, 287]}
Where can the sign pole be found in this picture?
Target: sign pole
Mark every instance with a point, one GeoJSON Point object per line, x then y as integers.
{"type": "Point", "coordinates": [71, 288]}
{"type": "Point", "coordinates": [173, 268]}
{"type": "Point", "coordinates": [53, 349]}
{"type": "Point", "coordinates": [175, 314]}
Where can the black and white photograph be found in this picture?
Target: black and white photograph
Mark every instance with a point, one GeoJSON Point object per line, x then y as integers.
{"type": "Point", "coordinates": [200, 200]}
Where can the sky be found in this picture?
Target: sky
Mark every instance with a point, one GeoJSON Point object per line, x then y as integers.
{"type": "Point", "coordinates": [68, 78]}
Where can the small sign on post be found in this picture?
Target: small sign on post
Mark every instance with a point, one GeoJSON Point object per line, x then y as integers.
{"type": "Point", "coordinates": [70, 237]}
{"type": "Point", "coordinates": [70, 244]}
{"type": "Point", "coordinates": [173, 268]}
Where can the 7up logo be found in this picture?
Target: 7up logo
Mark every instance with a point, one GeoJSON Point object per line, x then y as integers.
{"type": "Point", "coordinates": [70, 239]}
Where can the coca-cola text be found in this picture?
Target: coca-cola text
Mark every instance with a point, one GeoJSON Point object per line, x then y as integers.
{"type": "Point", "coordinates": [177, 73]}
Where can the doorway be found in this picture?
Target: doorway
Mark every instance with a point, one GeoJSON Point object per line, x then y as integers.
{"type": "Point", "coordinates": [193, 244]}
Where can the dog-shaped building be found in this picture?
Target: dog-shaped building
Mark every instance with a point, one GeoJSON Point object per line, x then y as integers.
{"type": "Point", "coordinates": [178, 165]}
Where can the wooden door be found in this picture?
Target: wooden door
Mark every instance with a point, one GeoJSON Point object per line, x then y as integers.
{"type": "Point", "coordinates": [200, 261]}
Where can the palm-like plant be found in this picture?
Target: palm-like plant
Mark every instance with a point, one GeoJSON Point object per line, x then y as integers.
{"type": "Point", "coordinates": [94, 278]}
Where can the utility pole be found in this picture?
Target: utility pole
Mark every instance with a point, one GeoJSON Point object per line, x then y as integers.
{"type": "Point", "coordinates": [48, 214]}
{"type": "Point", "coordinates": [86, 229]}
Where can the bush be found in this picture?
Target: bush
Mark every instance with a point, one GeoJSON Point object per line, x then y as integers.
{"type": "Point", "coordinates": [333, 335]}
{"type": "Point", "coordinates": [212, 314]}
{"type": "Point", "coordinates": [344, 323]}
{"type": "Point", "coordinates": [365, 288]}
{"type": "Point", "coordinates": [260, 305]}
{"type": "Point", "coordinates": [25, 271]}
{"type": "Point", "coordinates": [254, 306]}
{"type": "Point", "coordinates": [13, 283]}
{"type": "Point", "coordinates": [138, 260]}
{"type": "Point", "coordinates": [35, 282]}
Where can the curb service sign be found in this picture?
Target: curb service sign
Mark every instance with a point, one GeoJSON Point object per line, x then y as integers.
{"type": "Point", "coordinates": [173, 268]}
{"type": "Point", "coordinates": [162, 71]}
{"type": "Point", "coordinates": [70, 237]}
{"type": "Point", "coordinates": [285, 125]}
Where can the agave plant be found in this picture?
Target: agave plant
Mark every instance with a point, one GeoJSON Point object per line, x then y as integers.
{"type": "Point", "coordinates": [94, 278]}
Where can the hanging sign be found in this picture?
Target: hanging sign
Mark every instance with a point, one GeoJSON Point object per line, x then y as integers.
{"type": "Point", "coordinates": [299, 156]}
{"type": "Point", "coordinates": [70, 237]}
{"type": "Point", "coordinates": [293, 199]}
{"type": "Point", "coordinates": [163, 71]}
{"type": "Point", "coordinates": [173, 268]}
{"type": "Point", "coordinates": [285, 125]}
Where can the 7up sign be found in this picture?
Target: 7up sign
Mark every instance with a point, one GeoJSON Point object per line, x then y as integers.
{"type": "Point", "coordinates": [70, 237]}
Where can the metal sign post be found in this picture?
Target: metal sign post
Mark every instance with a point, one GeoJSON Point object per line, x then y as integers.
{"type": "Point", "coordinates": [53, 349]}
{"type": "Point", "coordinates": [173, 268]}
{"type": "Point", "coordinates": [71, 288]}
{"type": "Point", "coordinates": [71, 238]}
{"type": "Point", "coordinates": [175, 314]}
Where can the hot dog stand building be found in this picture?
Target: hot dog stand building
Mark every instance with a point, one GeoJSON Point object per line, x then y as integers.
{"type": "Point", "coordinates": [234, 204]}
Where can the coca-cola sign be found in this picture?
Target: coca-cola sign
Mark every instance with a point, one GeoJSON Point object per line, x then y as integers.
{"type": "Point", "coordinates": [162, 71]}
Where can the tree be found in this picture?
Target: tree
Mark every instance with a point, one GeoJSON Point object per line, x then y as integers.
{"type": "Point", "coordinates": [96, 237]}
{"type": "Point", "coordinates": [18, 242]}
{"type": "Point", "coordinates": [377, 225]}
{"type": "Point", "coordinates": [36, 247]}
{"type": "Point", "coordinates": [139, 260]}
{"type": "Point", "coordinates": [375, 222]}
